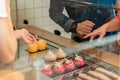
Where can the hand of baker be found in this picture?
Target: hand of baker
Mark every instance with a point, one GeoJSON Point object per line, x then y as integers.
{"type": "Point", "coordinates": [25, 36]}
{"type": "Point", "coordinates": [85, 27]}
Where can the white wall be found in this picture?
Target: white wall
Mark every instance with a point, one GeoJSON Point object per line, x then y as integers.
{"type": "Point", "coordinates": [36, 12]}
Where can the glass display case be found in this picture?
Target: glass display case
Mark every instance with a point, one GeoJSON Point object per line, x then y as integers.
{"type": "Point", "coordinates": [33, 63]}
{"type": "Point", "coordinates": [94, 55]}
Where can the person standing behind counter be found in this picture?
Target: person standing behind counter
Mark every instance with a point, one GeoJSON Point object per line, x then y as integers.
{"type": "Point", "coordinates": [8, 41]}
{"type": "Point", "coordinates": [81, 20]}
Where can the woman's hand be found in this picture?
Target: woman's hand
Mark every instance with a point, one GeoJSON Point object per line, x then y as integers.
{"type": "Point", "coordinates": [25, 36]}
{"type": "Point", "coordinates": [100, 31]}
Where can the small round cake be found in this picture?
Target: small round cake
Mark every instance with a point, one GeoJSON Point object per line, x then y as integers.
{"type": "Point", "coordinates": [32, 47]}
{"type": "Point", "coordinates": [50, 56]}
{"type": "Point", "coordinates": [59, 68]}
{"type": "Point", "coordinates": [69, 65]}
{"type": "Point", "coordinates": [42, 44]}
{"type": "Point", "coordinates": [79, 61]}
{"type": "Point", "coordinates": [47, 70]}
{"type": "Point", "coordinates": [60, 53]}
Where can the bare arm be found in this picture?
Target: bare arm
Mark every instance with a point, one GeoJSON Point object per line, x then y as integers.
{"type": "Point", "coordinates": [113, 25]}
{"type": "Point", "coordinates": [8, 43]}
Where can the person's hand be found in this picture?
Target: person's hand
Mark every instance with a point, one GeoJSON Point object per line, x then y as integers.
{"type": "Point", "coordinates": [85, 27]}
{"type": "Point", "coordinates": [100, 31]}
{"type": "Point", "coordinates": [25, 36]}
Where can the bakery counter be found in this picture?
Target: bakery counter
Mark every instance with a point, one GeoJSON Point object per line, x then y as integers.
{"type": "Point", "coordinates": [72, 46]}
{"type": "Point", "coordinates": [95, 59]}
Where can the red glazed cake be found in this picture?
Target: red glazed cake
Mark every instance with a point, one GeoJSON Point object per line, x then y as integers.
{"type": "Point", "coordinates": [59, 68]}
{"type": "Point", "coordinates": [79, 61]}
{"type": "Point", "coordinates": [69, 64]}
{"type": "Point", "coordinates": [47, 70]}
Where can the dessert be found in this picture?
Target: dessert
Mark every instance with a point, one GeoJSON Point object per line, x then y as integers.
{"type": "Point", "coordinates": [83, 76]}
{"type": "Point", "coordinates": [50, 56]}
{"type": "Point", "coordinates": [60, 53]}
{"type": "Point", "coordinates": [79, 61]}
{"type": "Point", "coordinates": [69, 64]}
{"type": "Point", "coordinates": [42, 44]}
{"type": "Point", "coordinates": [32, 47]}
{"type": "Point", "coordinates": [59, 68]}
{"type": "Point", "coordinates": [47, 70]}
{"type": "Point", "coordinates": [98, 75]}
{"type": "Point", "coordinates": [108, 73]}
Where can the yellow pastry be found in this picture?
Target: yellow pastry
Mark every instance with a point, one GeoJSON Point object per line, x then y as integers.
{"type": "Point", "coordinates": [32, 47]}
{"type": "Point", "coordinates": [42, 44]}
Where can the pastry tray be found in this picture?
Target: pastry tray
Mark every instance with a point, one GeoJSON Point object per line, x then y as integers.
{"type": "Point", "coordinates": [91, 64]}
{"type": "Point", "coordinates": [72, 75]}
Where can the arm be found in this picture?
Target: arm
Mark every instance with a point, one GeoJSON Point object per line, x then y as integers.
{"type": "Point", "coordinates": [69, 25]}
{"type": "Point", "coordinates": [112, 25]}
{"type": "Point", "coordinates": [56, 14]}
{"type": "Point", "coordinates": [11, 75]}
{"type": "Point", "coordinates": [8, 43]}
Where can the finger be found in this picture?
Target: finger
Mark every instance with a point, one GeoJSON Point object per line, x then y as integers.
{"type": "Point", "coordinates": [87, 27]}
{"type": "Point", "coordinates": [101, 35]}
{"type": "Point", "coordinates": [92, 38]}
{"type": "Point", "coordinates": [31, 36]}
{"type": "Point", "coordinates": [28, 40]}
{"type": "Point", "coordinates": [34, 39]}
{"type": "Point", "coordinates": [88, 35]}
{"type": "Point", "coordinates": [86, 31]}
{"type": "Point", "coordinates": [90, 23]}
{"type": "Point", "coordinates": [84, 26]}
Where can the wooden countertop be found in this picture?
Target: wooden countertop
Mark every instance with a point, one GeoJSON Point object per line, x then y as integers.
{"type": "Point", "coordinates": [50, 36]}
{"type": "Point", "coordinates": [108, 57]}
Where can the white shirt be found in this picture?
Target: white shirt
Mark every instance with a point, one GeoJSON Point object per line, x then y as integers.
{"type": "Point", "coordinates": [3, 10]}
